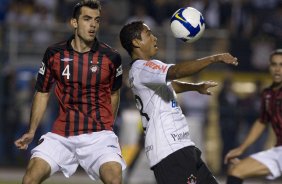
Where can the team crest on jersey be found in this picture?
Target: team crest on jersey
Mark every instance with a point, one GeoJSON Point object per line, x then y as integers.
{"type": "Point", "coordinates": [94, 68]}
{"type": "Point", "coordinates": [192, 179]}
{"type": "Point", "coordinates": [42, 69]}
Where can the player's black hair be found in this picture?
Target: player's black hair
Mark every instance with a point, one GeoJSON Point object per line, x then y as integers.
{"type": "Point", "coordinates": [128, 33]}
{"type": "Point", "coordinates": [93, 4]}
{"type": "Point", "coordinates": [275, 52]}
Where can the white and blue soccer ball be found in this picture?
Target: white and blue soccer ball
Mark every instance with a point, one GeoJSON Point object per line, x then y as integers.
{"type": "Point", "coordinates": [187, 24]}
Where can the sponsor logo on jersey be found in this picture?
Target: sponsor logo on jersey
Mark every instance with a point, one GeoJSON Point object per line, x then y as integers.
{"type": "Point", "coordinates": [155, 66]}
{"type": "Point", "coordinates": [111, 146]}
{"type": "Point", "coordinates": [181, 136]}
{"type": "Point", "coordinates": [192, 179]}
{"type": "Point", "coordinates": [119, 71]}
{"type": "Point", "coordinates": [174, 103]}
{"type": "Point", "coordinates": [42, 69]}
{"type": "Point", "coordinates": [66, 59]}
{"type": "Point", "coordinates": [148, 148]}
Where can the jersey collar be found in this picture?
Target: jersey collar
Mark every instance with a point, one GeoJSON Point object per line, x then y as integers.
{"type": "Point", "coordinates": [94, 47]}
{"type": "Point", "coordinates": [131, 63]}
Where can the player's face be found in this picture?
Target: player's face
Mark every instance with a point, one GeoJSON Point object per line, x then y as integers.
{"type": "Point", "coordinates": [149, 42]}
{"type": "Point", "coordinates": [276, 68]}
{"type": "Point", "coordinates": [87, 24]}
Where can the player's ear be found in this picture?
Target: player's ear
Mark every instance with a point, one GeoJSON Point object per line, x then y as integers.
{"type": "Point", "coordinates": [73, 23]}
{"type": "Point", "coordinates": [136, 43]}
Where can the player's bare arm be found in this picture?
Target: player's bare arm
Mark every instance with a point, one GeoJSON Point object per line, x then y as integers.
{"type": "Point", "coordinates": [201, 87]}
{"type": "Point", "coordinates": [39, 105]}
{"type": "Point", "coordinates": [253, 135]}
{"type": "Point", "coordinates": [188, 68]}
{"type": "Point", "coordinates": [115, 98]}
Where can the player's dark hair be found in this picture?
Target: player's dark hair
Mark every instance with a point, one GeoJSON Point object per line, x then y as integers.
{"type": "Point", "coordinates": [93, 4]}
{"type": "Point", "coordinates": [275, 52]}
{"type": "Point", "coordinates": [128, 33]}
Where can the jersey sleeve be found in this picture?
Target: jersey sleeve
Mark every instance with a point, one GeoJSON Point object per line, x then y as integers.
{"type": "Point", "coordinates": [44, 78]}
{"type": "Point", "coordinates": [264, 117]}
{"type": "Point", "coordinates": [154, 72]}
{"type": "Point", "coordinates": [117, 73]}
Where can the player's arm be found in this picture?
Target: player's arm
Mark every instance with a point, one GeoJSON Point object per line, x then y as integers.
{"type": "Point", "coordinates": [253, 135]}
{"type": "Point", "coordinates": [115, 98]}
{"type": "Point", "coordinates": [201, 87]}
{"type": "Point", "coordinates": [38, 108]}
{"type": "Point", "coordinates": [188, 68]}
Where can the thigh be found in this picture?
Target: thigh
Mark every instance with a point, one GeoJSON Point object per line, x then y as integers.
{"type": "Point", "coordinates": [204, 175]}
{"type": "Point", "coordinates": [97, 149]}
{"type": "Point", "coordinates": [37, 170]}
{"type": "Point", "coordinates": [179, 167]}
{"type": "Point", "coordinates": [54, 150]}
{"type": "Point", "coordinates": [249, 167]}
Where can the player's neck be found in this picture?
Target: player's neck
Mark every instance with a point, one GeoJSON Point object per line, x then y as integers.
{"type": "Point", "coordinates": [81, 46]}
{"type": "Point", "coordinates": [277, 86]}
{"type": "Point", "coordinates": [140, 55]}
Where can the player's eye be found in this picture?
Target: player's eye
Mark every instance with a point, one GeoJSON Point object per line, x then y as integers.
{"type": "Point", "coordinates": [97, 20]}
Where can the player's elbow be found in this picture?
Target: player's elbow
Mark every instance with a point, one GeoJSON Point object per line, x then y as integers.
{"type": "Point", "coordinates": [173, 73]}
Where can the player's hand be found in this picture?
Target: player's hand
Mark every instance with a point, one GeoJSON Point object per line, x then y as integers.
{"type": "Point", "coordinates": [23, 142]}
{"type": "Point", "coordinates": [226, 58]}
{"type": "Point", "coordinates": [204, 87]}
{"type": "Point", "coordinates": [234, 153]}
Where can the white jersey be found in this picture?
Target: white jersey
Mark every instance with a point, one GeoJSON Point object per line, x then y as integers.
{"type": "Point", "coordinates": [165, 125]}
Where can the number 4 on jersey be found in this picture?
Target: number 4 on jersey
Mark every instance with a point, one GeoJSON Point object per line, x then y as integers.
{"type": "Point", "coordinates": [66, 72]}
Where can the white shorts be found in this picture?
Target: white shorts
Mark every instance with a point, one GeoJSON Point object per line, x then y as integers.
{"type": "Point", "coordinates": [89, 150]}
{"type": "Point", "coordinates": [272, 159]}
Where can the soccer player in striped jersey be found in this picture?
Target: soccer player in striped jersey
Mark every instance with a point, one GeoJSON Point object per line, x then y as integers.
{"type": "Point", "coordinates": [88, 77]}
{"type": "Point", "coordinates": [269, 162]}
{"type": "Point", "coordinates": [172, 155]}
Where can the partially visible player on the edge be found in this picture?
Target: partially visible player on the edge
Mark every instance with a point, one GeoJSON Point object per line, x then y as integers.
{"type": "Point", "coordinates": [269, 162]}
{"type": "Point", "coordinates": [172, 155]}
{"type": "Point", "coordinates": [88, 77]}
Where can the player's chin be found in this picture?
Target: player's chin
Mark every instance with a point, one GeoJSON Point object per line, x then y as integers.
{"type": "Point", "coordinates": [155, 50]}
{"type": "Point", "coordinates": [90, 38]}
{"type": "Point", "coordinates": [277, 79]}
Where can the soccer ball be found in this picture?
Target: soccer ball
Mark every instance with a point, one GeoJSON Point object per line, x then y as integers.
{"type": "Point", "coordinates": [187, 24]}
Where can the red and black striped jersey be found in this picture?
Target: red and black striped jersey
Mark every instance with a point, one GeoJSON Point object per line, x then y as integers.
{"type": "Point", "coordinates": [271, 111]}
{"type": "Point", "coordinates": [84, 82]}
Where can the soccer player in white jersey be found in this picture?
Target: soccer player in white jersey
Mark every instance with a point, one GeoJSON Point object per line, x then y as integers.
{"type": "Point", "coordinates": [172, 155]}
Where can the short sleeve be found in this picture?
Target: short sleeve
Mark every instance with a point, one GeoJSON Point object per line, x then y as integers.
{"type": "Point", "coordinates": [154, 72]}
{"type": "Point", "coordinates": [117, 74]}
{"type": "Point", "coordinates": [44, 78]}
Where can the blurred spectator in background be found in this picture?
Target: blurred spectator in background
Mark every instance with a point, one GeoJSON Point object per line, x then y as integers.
{"type": "Point", "coordinates": [3, 10]}
{"type": "Point", "coordinates": [10, 118]}
{"type": "Point", "coordinates": [261, 46]}
{"type": "Point", "coordinates": [41, 16]}
{"type": "Point", "coordinates": [240, 30]}
{"type": "Point", "coordinates": [64, 10]}
{"type": "Point", "coordinates": [139, 12]}
{"type": "Point", "coordinates": [249, 111]}
{"type": "Point", "coordinates": [228, 118]}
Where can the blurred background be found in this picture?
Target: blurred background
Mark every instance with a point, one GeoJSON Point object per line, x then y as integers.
{"type": "Point", "coordinates": [248, 29]}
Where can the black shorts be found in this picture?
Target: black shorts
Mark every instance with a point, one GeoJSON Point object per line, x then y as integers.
{"type": "Point", "coordinates": [184, 166]}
